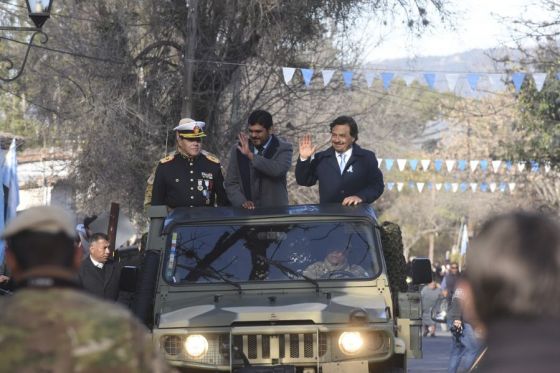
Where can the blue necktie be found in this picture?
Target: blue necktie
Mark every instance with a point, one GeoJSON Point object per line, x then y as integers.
{"type": "Point", "coordinates": [342, 163]}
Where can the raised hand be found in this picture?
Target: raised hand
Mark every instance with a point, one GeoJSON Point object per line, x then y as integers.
{"type": "Point", "coordinates": [243, 145]}
{"type": "Point", "coordinates": [306, 147]}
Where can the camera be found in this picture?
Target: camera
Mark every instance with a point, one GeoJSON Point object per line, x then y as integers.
{"type": "Point", "coordinates": [457, 333]}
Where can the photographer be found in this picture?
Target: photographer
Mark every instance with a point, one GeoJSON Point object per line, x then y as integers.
{"type": "Point", "coordinates": [465, 346]}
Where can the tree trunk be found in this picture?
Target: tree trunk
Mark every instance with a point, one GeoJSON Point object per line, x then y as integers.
{"type": "Point", "coordinates": [189, 58]}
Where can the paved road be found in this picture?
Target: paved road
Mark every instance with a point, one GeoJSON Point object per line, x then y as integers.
{"type": "Point", "coordinates": [436, 354]}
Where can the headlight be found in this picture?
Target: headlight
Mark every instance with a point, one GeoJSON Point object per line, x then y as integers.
{"type": "Point", "coordinates": [350, 342]}
{"type": "Point", "coordinates": [196, 345]}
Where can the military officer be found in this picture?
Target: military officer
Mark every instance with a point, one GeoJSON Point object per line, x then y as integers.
{"type": "Point", "coordinates": [191, 177]}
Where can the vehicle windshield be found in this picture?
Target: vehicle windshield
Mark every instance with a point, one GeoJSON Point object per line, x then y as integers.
{"type": "Point", "coordinates": [305, 251]}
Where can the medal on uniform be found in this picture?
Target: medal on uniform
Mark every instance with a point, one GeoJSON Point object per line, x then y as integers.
{"type": "Point", "coordinates": [200, 188]}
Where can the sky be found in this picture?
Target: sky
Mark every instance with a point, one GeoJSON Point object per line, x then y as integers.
{"type": "Point", "coordinates": [476, 24]}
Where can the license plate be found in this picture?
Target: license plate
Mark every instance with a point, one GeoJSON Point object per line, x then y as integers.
{"type": "Point", "coordinates": [346, 366]}
{"type": "Point", "coordinates": [274, 369]}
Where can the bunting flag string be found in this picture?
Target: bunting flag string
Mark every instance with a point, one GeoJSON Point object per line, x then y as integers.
{"type": "Point", "coordinates": [441, 81]}
{"type": "Point", "coordinates": [496, 166]}
{"type": "Point", "coordinates": [453, 187]}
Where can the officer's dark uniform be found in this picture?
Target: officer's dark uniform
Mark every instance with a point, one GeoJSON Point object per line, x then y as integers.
{"type": "Point", "coordinates": [183, 181]}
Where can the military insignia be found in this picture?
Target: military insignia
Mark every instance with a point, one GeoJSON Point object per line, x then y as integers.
{"type": "Point", "coordinates": [210, 156]}
{"type": "Point", "coordinates": [166, 159]}
{"type": "Point", "coordinates": [207, 175]}
{"type": "Point", "coordinates": [200, 188]}
{"type": "Point", "coordinates": [196, 130]}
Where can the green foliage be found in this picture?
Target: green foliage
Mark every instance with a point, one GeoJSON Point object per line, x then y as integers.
{"type": "Point", "coordinates": [13, 120]}
{"type": "Point", "coordinates": [538, 124]}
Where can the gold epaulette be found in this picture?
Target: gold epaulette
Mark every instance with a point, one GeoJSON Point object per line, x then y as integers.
{"type": "Point", "coordinates": [210, 156]}
{"type": "Point", "coordinates": [167, 159]}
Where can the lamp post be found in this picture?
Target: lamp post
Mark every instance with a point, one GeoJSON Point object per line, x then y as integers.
{"type": "Point", "coordinates": [39, 11]}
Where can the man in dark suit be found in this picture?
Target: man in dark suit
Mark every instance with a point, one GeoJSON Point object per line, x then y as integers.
{"type": "Point", "coordinates": [258, 165]}
{"type": "Point", "coordinates": [99, 274]}
{"type": "Point", "coordinates": [346, 173]}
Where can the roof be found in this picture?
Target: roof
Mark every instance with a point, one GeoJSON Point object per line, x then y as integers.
{"type": "Point", "coordinates": [205, 214]}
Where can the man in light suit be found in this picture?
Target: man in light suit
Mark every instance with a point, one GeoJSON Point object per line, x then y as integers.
{"type": "Point", "coordinates": [346, 173]}
{"type": "Point", "coordinates": [258, 164]}
{"type": "Point", "coordinates": [99, 274]}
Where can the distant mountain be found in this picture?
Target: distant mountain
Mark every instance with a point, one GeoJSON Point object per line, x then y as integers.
{"type": "Point", "coordinates": [476, 61]}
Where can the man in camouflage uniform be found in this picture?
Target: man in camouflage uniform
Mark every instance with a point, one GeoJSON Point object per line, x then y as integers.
{"type": "Point", "coordinates": [49, 324]}
{"type": "Point", "coordinates": [335, 266]}
{"type": "Point", "coordinates": [191, 177]}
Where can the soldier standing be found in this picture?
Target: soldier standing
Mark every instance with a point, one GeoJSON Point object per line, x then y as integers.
{"type": "Point", "coordinates": [50, 325]}
{"type": "Point", "coordinates": [191, 177]}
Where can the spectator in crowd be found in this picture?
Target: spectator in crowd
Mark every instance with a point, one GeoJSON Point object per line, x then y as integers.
{"type": "Point", "coordinates": [99, 273]}
{"type": "Point", "coordinates": [465, 345]}
{"type": "Point", "coordinates": [514, 277]}
{"type": "Point", "coordinates": [6, 285]}
{"type": "Point", "coordinates": [346, 173]}
{"type": "Point", "coordinates": [430, 294]}
{"type": "Point", "coordinates": [439, 272]}
{"type": "Point", "coordinates": [449, 282]}
{"type": "Point", "coordinates": [49, 324]}
{"type": "Point", "coordinates": [191, 177]}
{"type": "Point", "coordinates": [84, 234]}
{"type": "Point", "coordinates": [258, 165]}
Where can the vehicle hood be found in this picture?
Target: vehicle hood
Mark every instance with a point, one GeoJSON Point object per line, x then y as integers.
{"type": "Point", "coordinates": [190, 310]}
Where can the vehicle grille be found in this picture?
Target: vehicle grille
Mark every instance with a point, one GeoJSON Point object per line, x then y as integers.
{"type": "Point", "coordinates": [271, 348]}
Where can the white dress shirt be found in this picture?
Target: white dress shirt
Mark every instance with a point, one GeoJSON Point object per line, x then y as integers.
{"type": "Point", "coordinates": [96, 263]}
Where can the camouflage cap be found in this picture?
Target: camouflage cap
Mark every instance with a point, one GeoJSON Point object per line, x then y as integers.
{"type": "Point", "coordinates": [44, 219]}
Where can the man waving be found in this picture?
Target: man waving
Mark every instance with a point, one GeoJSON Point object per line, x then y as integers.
{"type": "Point", "coordinates": [346, 173]}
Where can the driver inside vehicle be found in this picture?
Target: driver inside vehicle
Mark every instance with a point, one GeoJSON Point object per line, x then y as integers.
{"type": "Point", "coordinates": [335, 266]}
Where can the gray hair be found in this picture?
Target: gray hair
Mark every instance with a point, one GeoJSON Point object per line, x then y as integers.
{"type": "Point", "coordinates": [514, 267]}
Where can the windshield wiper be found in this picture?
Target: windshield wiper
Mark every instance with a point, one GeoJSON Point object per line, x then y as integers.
{"type": "Point", "coordinates": [222, 277]}
{"type": "Point", "coordinates": [287, 270]}
{"type": "Point", "coordinates": [213, 273]}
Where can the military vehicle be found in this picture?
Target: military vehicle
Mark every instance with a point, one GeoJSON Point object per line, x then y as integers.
{"type": "Point", "coordinates": [292, 289]}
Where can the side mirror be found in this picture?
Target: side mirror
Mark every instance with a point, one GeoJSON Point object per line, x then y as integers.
{"type": "Point", "coordinates": [128, 278]}
{"type": "Point", "coordinates": [421, 271]}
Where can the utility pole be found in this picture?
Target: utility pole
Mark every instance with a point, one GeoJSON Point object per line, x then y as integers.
{"type": "Point", "coordinates": [189, 57]}
{"type": "Point", "coordinates": [432, 236]}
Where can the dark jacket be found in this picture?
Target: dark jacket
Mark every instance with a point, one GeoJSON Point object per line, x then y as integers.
{"type": "Point", "coordinates": [361, 177]}
{"type": "Point", "coordinates": [262, 180]}
{"type": "Point", "coordinates": [519, 345]}
{"type": "Point", "coordinates": [103, 283]}
{"type": "Point", "coordinates": [180, 182]}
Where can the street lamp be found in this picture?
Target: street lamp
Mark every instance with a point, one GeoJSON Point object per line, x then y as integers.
{"type": "Point", "coordinates": [39, 11]}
